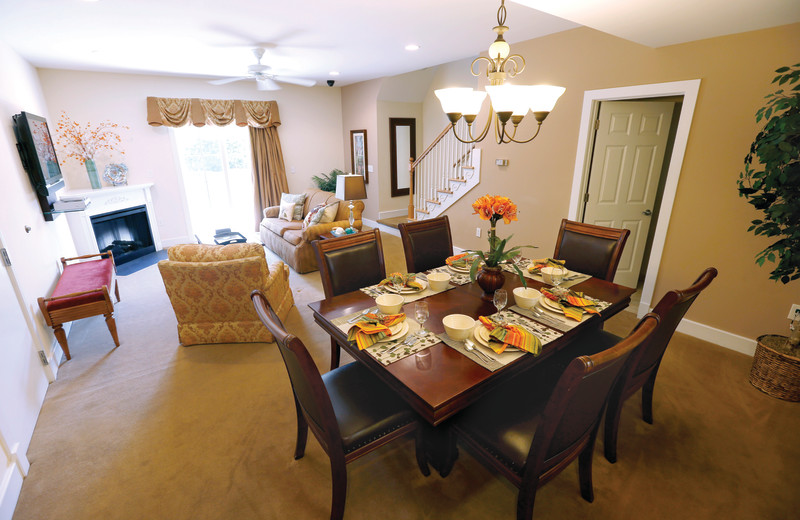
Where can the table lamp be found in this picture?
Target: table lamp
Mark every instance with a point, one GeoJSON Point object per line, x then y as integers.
{"type": "Point", "coordinates": [350, 188]}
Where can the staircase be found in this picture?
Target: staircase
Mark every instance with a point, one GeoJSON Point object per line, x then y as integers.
{"type": "Point", "coordinates": [446, 171]}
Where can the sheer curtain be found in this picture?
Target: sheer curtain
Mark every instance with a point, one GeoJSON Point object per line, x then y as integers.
{"type": "Point", "coordinates": [269, 172]}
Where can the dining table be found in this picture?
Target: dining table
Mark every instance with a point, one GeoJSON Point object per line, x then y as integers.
{"type": "Point", "coordinates": [441, 381]}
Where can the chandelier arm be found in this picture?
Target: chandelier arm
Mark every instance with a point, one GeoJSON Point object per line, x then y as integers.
{"type": "Point", "coordinates": [517, 67]}
{"type": "Point", "coordinates": [538, 128]}
{"type": "Point", "coordinates": [489, 67]}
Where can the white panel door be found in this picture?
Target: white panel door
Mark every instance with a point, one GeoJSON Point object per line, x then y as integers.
{"type": "Point", "coordinates": [626, 166]}
{"type": "Point", "coordinates": [23, 384]}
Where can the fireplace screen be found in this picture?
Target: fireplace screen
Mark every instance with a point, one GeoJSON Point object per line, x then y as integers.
{"type": "Point", "coordinates": [126, 233]}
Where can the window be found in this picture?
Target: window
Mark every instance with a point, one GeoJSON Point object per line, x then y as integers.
{"type": "Point", "coordinates": [217, 177]}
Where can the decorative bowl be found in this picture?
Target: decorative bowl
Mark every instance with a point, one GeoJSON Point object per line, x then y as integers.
{"type": "Point", "coordinates": [389, 303]}
{"type": "Point", "coordinates": [526, 297]}
{"type": "Point", "coordinates": [439, 281]}
{"type": "Point", "coordinates": [458, 326]}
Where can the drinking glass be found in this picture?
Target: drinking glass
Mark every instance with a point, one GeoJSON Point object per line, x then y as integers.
{"type": "Point", "coordinates": [500, 299]}
{"type": "Point", "coordinates": [421, 314]}
{"type": "Point", "coordinates": [558, 275]}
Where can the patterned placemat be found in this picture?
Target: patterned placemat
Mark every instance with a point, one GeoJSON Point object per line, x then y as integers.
{"type": "Point", "coordinates": [455, 276]}
{"type": "Point", "coordinates": [388, 352]}
{"type": "Point", "coordinates": [555, 319]}
{"type": "Point", "coordinates": [373, 291]}
{"type": "Point", "coordinates": [573, 278]}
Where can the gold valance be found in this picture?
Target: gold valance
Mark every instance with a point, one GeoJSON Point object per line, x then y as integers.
{"type": "Point", "coordinates": [220, 112]}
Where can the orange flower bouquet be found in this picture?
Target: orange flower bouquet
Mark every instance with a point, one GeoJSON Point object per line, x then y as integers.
{"type": "Point", "coordinates": [494, 208]}
{"type": "Point", "coordinates": [81, 142]}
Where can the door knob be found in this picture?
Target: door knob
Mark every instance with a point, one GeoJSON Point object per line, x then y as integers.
{"type": "Point", "coordinates": [647, 212]}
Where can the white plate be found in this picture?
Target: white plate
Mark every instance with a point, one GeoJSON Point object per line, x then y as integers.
{"type": "Point", "coordinates": [408, 290]}
{"type": "Point", "coordinates": [549, 304]}
{"type": "Point", "coordinates": [398, 331]}
{"type": "Point", "coordinates": [462, 270]}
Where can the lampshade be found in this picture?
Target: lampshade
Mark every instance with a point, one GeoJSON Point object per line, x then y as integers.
{"type": "Point", "coordinates": [463, 101]}
{"type": "Point", "coordinates": [543, 97]}
{"type": "Point", "coordinates": [510, 98]}
{"type": "Point", "coordinates": [350, 187]}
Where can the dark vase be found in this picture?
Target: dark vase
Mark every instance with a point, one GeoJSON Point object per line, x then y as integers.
{"type": "Point", "coordinates": [490, 279]}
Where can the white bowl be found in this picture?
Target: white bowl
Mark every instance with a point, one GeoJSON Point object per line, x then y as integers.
{"type": "Point", "coordinates": [458, 326]}
{"type": "Point", "coordinates": [526, 297]}
{"type": "Point", "coordinates": [439, 281]}
{"type": "Point", "coordinates": [390, 303]}
{"type": "Point", "coordinates": [547, 273]}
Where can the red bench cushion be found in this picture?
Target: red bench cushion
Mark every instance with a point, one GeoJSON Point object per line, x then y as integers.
{"type": "Point", "coordinates": [79, 277]}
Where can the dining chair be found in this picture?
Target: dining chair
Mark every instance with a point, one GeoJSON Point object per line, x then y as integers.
{"type": "Point", "coordinates": [349, 410]}
{"type": "Point", "coordinates": [670, 309]}
{"type": "Point", "coordinates": [532, 428]}
{"type": "Point", "coordinates": [590, 249]}
{"type": "Point", "coordinates": [347, 264]}
{"type": "Point", "coordinates": [426, 243]}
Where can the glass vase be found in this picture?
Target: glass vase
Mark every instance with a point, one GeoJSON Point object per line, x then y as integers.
{"type": "Point", "coordinates": [91, 170]}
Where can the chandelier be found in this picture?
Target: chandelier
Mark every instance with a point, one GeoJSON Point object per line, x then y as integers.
{"type": "Point", "coordinates": [509, 103]}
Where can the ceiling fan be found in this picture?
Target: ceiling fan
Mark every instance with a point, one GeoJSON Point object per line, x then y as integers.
{"type": "Point", "coordinates": [265, 80]}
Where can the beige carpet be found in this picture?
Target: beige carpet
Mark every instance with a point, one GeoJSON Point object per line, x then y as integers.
{"type": "Point", "coordinates": [152, 430]}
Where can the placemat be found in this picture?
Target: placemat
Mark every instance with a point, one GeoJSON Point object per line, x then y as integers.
{"type": "Point", "coordinates": [376, 290]}
{"type": "Point", "coordinates": [385, 352]}
{"type": "Point", "coordinates": [555, 319]}
{"type": "Point", "coordinates": [572, 278]}
{"type": "Point", "coordinates": [455, 277]}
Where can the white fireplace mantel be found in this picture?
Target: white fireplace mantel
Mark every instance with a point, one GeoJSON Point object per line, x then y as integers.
{"type": "Point", "coordinates": [107, 200]}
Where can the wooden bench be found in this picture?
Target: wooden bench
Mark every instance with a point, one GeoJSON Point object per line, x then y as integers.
{"type": "Point", "coordinates": [82, 291]}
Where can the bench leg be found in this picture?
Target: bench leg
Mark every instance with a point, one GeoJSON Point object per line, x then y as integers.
{"type": "Point", "coordinates": [116, 290]}
{"type": "Point", "coordinates": [112, 327]}
{"type": "Point", "coordinates": [61, 336]}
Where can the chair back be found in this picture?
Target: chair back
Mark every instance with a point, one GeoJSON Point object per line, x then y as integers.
{"type": "Point", "coordinates": [350, 262]}
{"type": "Point", "coordinates": [572, 415]}
{"type": "Point", "coordinates": [426, 243]}
{"type": "Point", "coordinates": [670, 309]}
{"type": "Point", "coordinates": [309, 391]}
{"type": "Point", "coordinates": [590, 249]}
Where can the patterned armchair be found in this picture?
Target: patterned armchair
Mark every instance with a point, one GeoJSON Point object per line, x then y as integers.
{"type": "Point", "coordinates": [209, 288]}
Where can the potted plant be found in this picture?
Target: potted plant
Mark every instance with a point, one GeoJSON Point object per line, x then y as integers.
{"type": "Point", "coordinates": [328, 181]}
{"type": "Point", "coordinates": [771, 177]}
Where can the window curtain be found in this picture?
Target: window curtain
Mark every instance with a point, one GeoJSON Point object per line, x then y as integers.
{"type": "Point", "coordinates": [269, 172]}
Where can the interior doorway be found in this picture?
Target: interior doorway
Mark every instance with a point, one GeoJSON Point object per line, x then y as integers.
{"type": "Point", "coordinates": [688, 91]}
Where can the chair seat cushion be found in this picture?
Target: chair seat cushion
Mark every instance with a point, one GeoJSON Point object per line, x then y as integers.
{"type": "Point", "coordinates": [365, 407]}
{"type": "Point", "coordinates": [79, 277]}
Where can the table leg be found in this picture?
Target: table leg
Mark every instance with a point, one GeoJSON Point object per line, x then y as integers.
{"type": "Point", "coordinates": [440, 448]}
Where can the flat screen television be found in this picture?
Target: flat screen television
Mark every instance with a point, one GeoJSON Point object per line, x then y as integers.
{"type": "Point", "coordinates": [38, 156]}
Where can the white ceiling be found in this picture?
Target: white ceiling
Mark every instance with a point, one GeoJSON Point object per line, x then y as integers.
{"type": "Point", "coordinates": [362, 39]}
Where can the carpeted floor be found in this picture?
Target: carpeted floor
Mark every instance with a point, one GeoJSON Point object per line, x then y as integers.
{"type": "Point", "coordinates": [151, 430]}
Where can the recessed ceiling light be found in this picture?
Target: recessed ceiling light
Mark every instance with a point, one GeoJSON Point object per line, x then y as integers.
{"type": "Point", "coordinates": [412, 47]}
{"type": "Point", "coordinates": [334, 73]}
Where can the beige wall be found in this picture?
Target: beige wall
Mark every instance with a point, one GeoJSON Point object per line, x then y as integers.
{"type": "Point", "coordinates": [387, 110]}
{"type": "Point", "coordinates": [360, 112]}
{"type": "Point", "coordinates": [709, 220]}
{"type": "Point", "coordinates": [309, 134]}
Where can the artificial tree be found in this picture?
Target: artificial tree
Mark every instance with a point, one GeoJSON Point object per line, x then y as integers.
{"type": "Point", "coordinates": [771, 177]}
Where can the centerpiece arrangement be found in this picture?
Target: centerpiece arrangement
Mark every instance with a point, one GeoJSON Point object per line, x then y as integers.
{"type": "Point", "coordinates": [486, 267]}
{"type": "Point", "coordinates": [82, 142]}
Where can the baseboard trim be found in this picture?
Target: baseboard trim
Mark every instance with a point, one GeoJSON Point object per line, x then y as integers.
{"type": "Point", "coordinates": [393, 213]}
{"type": "Point", "coordinates": [378, 225]}
{"type": "Point", "coordinates": [719, 337]}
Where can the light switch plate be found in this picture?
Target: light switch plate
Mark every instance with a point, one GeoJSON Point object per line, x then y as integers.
{"type": "Point", "coordinates": [369, 168]}
{"type": "Point", "coordinates": [795, 309]}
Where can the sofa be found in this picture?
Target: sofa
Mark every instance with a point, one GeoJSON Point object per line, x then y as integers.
{"type": "Point", "coordinates": [291, 242]}
{"type": "Point", "coordinates": [209, 288]}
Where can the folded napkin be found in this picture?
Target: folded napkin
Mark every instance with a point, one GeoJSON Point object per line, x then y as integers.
{"type": "Point", "coordinates": [513, 335]}
{"type": "Point", "coordinates": [372, 328]}
{"type": "Point", "coordinates": [461, 261]}
{"type": "Point", "coordinates": [402, 280]}
{"type": "Point", "coordinates": [536, 265]}
{"type": "Point", "coordinates": [573, 304]}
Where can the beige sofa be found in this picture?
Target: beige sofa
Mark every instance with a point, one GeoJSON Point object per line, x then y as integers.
{"type": "Point", "coordinates": [291, 242]}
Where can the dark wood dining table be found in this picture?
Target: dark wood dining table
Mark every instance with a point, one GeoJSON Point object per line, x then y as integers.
{"type": "Point", "coordinates": [448, 381]}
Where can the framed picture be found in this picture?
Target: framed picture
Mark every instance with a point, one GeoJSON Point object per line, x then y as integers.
{"type": "Point", "coordinates": [358, 153]}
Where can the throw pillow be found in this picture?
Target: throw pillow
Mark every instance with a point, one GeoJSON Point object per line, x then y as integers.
{"type": "Point", "coordinates": [329, 212]}
{"type": "Point", "coordinates": [298, 200]}
{"type": "Point", "coordinates": [313, 216]}
{"type": "Point", "coordinates": [286, 211]}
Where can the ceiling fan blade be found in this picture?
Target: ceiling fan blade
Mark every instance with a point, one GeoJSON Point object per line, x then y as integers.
{"type": "Point", "coordinates": [227, 80]}
{"type": "Point", "coordinates": [296, 81]}
{"type": "Point", "coordinates": [266, 84]}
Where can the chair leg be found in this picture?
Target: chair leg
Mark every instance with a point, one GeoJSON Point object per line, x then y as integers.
{"type": "Point", "coordinates": [112, 327]}
{"type": "Point", "coordinates": [585, 467]}
{"type": "Point", "coordinates": [611, 428]}
{"type": "Point", "coordinates": [61, 336]}
{"type": "Point", "coordinates": [419, 448]}
{"type": "Point", "coordinates": [334, 354]}
{"type": "Point", "coordinates": [302, 432]}
{"type": "Point", "coordinates": [647, 397]}
{"type": "Point", "coordinates": [339, 486]}
{"type": "Point", "coordinates": [525, 501]}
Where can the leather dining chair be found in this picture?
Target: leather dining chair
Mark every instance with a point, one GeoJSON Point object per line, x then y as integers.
{"type": "Point", "coordinates": [670, 309]}
{"type": "Point", "coordinates": [349, 410]}
{"type": "Point", "coordinates": [531, 429]}
{"type": "Point", "coordinates": [348, 263]}
{"type": "Point", "coordinates": [590, 249]}
{"type": "Point", "coordinates": [426, 243]}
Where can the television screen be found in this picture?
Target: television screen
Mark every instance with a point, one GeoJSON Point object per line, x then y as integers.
{"type": "Point", "coordinates": [36, 150]}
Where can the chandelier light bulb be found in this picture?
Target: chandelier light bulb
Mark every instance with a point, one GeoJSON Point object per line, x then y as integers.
{"type": "Point", "coordinates": [499, 49]}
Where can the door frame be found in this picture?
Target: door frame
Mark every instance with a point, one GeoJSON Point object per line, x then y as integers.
{"type": "Point", "coordinates": [591, 100]}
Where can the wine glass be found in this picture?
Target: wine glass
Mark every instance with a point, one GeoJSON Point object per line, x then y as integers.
{"type": "Point", "coordinates": [557, 275]}
{"type": "Point", "coordinates": [500, 299]}
{"type": "Point", "coordinates": [421, 314]}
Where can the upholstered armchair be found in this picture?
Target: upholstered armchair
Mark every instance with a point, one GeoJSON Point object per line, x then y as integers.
{"type": "Point", "coordinates": [209, 288]}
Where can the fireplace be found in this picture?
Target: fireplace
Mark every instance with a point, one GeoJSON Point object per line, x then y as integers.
{"type": "Point", "coordinates": [126, 233]}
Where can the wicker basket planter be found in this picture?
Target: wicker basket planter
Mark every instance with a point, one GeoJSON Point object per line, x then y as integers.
{"type": "Point", "coordinates": [774, 373]}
